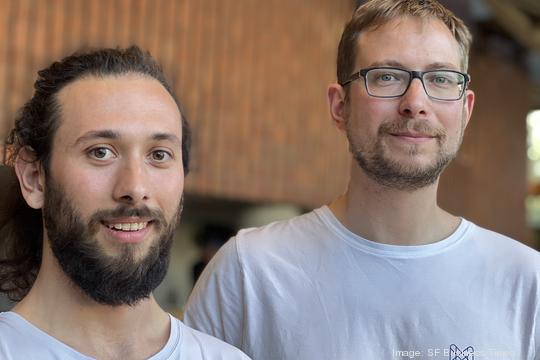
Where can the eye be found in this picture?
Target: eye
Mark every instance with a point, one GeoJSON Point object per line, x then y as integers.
{"type": "Point", "coordinates": [160, 155]}
{"type": "Point", "coordinates": [387, 77]}
{"type": "Point", "coordinates": [440, 80]}
{"type": "Point", "coordinates": [101, 153]}
{"type": "Point", "coordinates": [443, 79]}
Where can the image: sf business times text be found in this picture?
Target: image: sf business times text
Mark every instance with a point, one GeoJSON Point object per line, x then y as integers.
{"type": "Point", "coordinates": [453, 352]}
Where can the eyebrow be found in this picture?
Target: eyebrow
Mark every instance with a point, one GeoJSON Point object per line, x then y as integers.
{"type": "Point", "coordinates": [168, 137]}
{"type": "Point", "coordinates": [98, 134]}
{"type": "Point", "coordinates": [433, 66]}
{"type": "Point", "coordinates": [111, 134]}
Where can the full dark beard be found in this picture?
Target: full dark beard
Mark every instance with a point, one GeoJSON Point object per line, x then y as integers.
{"type": "Point", "coordinates": [118, 280]}
{"type": "Point", "coordinates": [392, 173]}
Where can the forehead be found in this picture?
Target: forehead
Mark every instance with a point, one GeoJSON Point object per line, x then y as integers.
{"type": "Point", "coordinates": [129, 103]}
{"type": "Point", "coordinates": [414, 42]}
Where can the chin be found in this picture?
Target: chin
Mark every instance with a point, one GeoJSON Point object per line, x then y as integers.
{"type": "Point", "coordinates": [116, 251]}
{"type": "Point", "coordinates": [417, 162]}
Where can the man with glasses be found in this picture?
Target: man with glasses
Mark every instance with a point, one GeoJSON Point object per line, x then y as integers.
{"type": "Point", "coordinates": [382, 272]}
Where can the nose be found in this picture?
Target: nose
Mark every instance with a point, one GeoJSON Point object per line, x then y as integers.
{"type": "Point", "coordinates": [414, 102]}
{"type": "Point", "coordinates": [131, 185]}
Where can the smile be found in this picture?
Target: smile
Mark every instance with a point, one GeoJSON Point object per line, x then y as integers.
{"type": "Point", "coordinates": [134, 226]}
{"type": "Point", "coordinates": [128, 230]}
{"type": "Point", "coordinates": [413, 135]}
{"type": "Point", "coordinates": [413, 138]}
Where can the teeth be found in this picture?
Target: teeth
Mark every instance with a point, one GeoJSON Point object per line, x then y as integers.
{"type": "Point", "coordinates": [128, 226]}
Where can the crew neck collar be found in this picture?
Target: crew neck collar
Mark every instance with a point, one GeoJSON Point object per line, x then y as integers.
{"type": "Point", "coordinates": [393, 251]}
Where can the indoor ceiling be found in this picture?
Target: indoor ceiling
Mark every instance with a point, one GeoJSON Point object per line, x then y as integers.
{"type": "Point", "coordinates": [520, 18]}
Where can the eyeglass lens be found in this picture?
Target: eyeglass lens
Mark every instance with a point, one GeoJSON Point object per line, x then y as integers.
{"type": "Point", "coordinates": [440, 84]}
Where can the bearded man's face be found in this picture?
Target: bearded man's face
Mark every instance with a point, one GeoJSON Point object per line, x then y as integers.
{"type": "Point", "coordinates": [113, 185]}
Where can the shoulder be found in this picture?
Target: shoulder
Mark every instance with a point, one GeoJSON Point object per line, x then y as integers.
{"type": "Point", "coordinates": [259, 248]}
{"type": "Point", "coordinates": [244, 264]}
{"type": "Point", "coordinates": [283, 234]}
{"type": "Point", "coordinates": [505, 251]}
{"type": "Point", "coordinates": [21, 340]}
{"type": "Point", "coordinates": [11, 327]}
{"type": "Point", "coordinates": [304, 222]}
{"type": "Point", "coordinates": [198, 345]}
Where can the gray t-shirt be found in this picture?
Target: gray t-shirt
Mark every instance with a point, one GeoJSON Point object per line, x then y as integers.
{"type": "Point", "coordinates": [20, 340]}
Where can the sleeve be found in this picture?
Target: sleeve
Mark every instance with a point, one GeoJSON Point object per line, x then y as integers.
{"type": "Point", "coordinates": [536, 319]}
{"type": "Point", "coordinates": [216, 305]}
{"type": "Point", "coordinates": [537, 327]}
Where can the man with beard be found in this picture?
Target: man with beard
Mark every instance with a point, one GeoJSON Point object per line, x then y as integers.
{"type": "Point", "coordinates": [102, 149]}
{"type": "Point", "coordinates": [382, 272]}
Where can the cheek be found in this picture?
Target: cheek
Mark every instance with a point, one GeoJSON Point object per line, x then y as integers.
{"type": "Point", "coordinates": [84, 187]}
{"type": "Point", "coordinates": [367, 116]}
{"type": "Point", "coordinates": [453, 120]}
{"type": "Point", "coordinates": [89, 191]}
{"type": "Point", "coordinates": [167, 187]}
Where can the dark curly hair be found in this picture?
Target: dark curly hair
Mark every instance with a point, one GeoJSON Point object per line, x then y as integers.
{"type": "Point", "coordinates": [35, 126]}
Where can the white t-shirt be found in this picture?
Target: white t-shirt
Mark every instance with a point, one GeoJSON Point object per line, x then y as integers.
{"type": "Point", "coordinates": [20, 340]}
{"type": "Point", "coordinates": [308, 288]}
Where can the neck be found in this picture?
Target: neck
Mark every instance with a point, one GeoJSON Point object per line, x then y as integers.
{"type": "Point", "coordinates": [390, 216]}
{"type": "Point", "coordinates": [56, 306]}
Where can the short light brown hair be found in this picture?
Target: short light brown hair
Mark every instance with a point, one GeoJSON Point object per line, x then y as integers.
{"type": "Point", "coordinates": [375, 13]}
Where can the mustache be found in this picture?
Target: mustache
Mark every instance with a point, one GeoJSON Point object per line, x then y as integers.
{"type": "Point", "coordinates": [412, 125]}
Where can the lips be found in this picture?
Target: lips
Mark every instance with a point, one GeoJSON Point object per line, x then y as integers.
{"type": "Point", "coordinates": [413, 135]}
{"type": "Point", "coordinates": [130, 225]}
{"type": "Point", "coordinates": [128, 231]}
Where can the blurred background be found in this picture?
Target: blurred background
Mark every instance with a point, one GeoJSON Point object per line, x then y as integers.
{"type": "Point", "coordinates": [252, 76]}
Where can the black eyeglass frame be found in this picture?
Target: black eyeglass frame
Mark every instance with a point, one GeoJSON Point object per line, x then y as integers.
{"type": "Point", "coordinates": [413, 75]}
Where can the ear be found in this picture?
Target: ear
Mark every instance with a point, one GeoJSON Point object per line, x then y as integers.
{"type": "Point", "coordinates": [337, 102]}
{"type": "Point", "coordinates": [468, 105]}
{"type": "Point", "coordinates": [31, 178]}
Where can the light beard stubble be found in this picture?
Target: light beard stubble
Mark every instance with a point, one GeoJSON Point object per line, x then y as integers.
{"type": "Point", "coordinates": [393, 174]}
{"type": "Point", "coordinates": [108, 280]}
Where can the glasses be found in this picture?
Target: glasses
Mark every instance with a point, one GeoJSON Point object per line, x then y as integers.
{"type": "Point", "coordinates": [388, 82]}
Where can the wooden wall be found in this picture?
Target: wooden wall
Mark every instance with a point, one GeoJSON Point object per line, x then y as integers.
{"type": "Point", "coordinates": [252, 76]}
